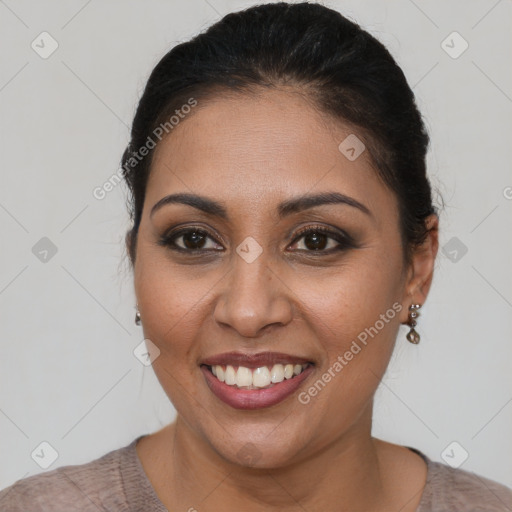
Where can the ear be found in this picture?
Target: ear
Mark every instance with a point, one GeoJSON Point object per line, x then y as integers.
{"type": "Point", "coordinates": [421, 269]}
{"type": "Point", "coordinates": [128, 245]}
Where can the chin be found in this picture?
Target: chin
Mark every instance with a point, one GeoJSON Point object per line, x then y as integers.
{"type": "Point", "coordinates": [266, 453]}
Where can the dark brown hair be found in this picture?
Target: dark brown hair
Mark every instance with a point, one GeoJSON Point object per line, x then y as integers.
{"type": "Point", "coordinates": [347, 73]}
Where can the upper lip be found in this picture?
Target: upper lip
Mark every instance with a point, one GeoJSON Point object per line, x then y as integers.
{"type": "Point", "coordinates": [253, 360]}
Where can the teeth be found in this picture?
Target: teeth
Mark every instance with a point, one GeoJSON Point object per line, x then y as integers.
{"type": "Point", "coordinates": [230, 376]}
{"type": "Point", "coordinates": [277, 373]}
{"type": "Point", "coordinates": [262, 377]}
{"type": "Point", "coordinates": [243, 377]}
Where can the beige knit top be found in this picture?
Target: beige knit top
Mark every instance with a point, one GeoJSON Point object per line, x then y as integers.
{"type": "Point", "coordinates": [117, 482]}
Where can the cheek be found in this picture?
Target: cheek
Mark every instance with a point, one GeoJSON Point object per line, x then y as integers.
{"type": "Point", "coordinates": [354, 313]}
{"type": "Point", "coordinates": [352, 298]}
{"type": "Point", "coordinates": [169, 303]}
{"type": "Point", "coordinates": [169, 286]}
{"type": "Point", "coordinates": [355, 324]}
{"type": "Point", "coordinates": [170, 298]}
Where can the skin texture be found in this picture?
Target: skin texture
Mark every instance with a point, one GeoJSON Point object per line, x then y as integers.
{"type": "Point", "coordinates": [250, 152]}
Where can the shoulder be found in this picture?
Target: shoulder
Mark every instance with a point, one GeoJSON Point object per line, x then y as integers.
{"type": "Point", "coordinates": [85, 487]}
{"type": "Point", "coordinates": [451, 489]}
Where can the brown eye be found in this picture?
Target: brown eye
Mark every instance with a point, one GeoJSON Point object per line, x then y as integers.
{"type": "Point", "coordinates": [190, 240]}
{"type": "Point", "coordinates": [315, 241]}
{"type": "Point", "coordinates": [193, 240]}
{"type": "Point", "coordinates": [321, 240]}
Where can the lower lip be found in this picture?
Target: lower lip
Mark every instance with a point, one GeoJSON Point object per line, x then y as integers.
{"type": "Point", "coordinates": [254, 398]}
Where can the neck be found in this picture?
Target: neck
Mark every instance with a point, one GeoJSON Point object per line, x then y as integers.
{"type": "Point", "coordinates": [346, 473]}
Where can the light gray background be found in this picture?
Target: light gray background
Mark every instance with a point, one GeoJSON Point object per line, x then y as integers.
{"type": "Point", "coordinates": [68, 375]}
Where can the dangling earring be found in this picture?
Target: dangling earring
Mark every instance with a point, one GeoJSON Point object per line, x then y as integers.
{"type": "Point", "coordinates": [412, 336]}
{"type": "Point", "coordinates": [137, 315]}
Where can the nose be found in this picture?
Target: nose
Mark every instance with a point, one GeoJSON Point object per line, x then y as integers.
{"type": "Point", "coordinates": [253, 298]}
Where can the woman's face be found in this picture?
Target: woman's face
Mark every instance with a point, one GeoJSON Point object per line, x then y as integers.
{"type": "Point", "coordinates": [256, 283]}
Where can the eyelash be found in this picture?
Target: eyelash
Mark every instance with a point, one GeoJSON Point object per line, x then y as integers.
{"type": "Point", "coordinates": [343, 239]}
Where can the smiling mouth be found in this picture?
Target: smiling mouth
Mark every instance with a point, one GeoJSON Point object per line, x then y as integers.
{"type": "Point", "coordinates": [263, 377]}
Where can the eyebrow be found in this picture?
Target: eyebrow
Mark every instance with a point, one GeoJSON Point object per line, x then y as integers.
{"type": "Point", "coordinates": [288, 207]}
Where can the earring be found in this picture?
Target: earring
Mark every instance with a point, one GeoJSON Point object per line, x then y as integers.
{"type": "Point", "coordinates": [137, 315]}
{"type": "Point", "coordinates": [412, 336]}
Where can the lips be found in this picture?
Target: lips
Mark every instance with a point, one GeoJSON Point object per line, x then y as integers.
{"type": "Point", "coordinates": [228, 376]}
{"type": "Point", "coordinates": [253, 360]}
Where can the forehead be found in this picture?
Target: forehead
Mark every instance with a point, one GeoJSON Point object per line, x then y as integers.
{"type": "Point", "coordinates": [251, 151]}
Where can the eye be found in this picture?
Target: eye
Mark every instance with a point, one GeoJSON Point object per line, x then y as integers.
{"type": "Point", "coordinates": [321, 239]}
{"type": "Point", "coordinates": [189, 240]}
{"type": "Point", "coordinates": [313, 239]}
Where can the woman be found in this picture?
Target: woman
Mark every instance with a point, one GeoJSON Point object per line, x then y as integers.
{"type": "Point", "coordinates": [283, 230]}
